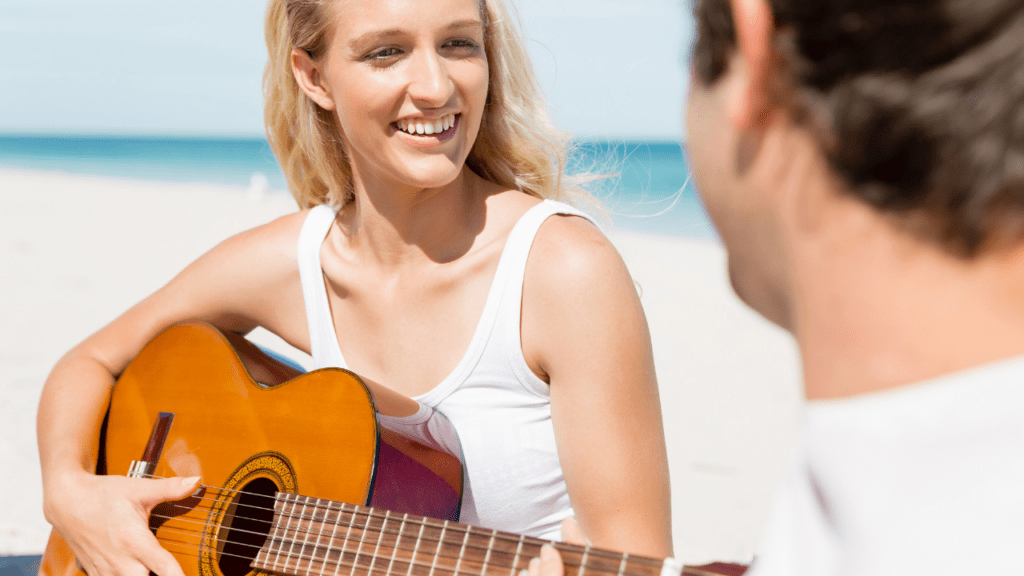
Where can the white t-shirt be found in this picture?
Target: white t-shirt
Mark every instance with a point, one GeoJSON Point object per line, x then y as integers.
{"type": "Point", "coordinates": [925, 479]}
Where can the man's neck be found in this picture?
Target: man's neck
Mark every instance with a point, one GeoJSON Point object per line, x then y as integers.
{"type": "Point", "coordinates": [883, 310]}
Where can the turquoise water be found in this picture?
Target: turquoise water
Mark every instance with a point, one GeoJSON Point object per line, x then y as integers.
{"type": "Point", "coordinates": [646, 188]}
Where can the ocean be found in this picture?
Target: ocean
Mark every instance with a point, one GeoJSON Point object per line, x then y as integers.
{"type": "Point", "coordinates": [645, 186]}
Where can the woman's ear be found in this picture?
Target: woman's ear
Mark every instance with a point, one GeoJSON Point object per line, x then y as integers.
{"type": "Point", "coordinates": [749, 100]}
{"type": "Point", "coordinates": [310, 80]}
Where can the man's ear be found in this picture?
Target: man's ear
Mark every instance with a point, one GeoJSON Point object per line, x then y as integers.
{"type": "Point", "coordinates": [749, 101]}
{"type": "Point", "coordinates": [310, 80]}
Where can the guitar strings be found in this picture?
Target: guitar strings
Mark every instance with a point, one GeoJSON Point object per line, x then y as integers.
{"type": "Point", "coordinates": [414, 551]}
{"type": "Point", "coordinates": [328, 563]}
{"type": "Point", "coordinates": [391, 559]}
{"type": "Point", "coordinates": [191, 547]}
{"type": "Point", "coordinates": [378, 532]}
{"type": "Point", "coordinates": [350, 522]}
{"type": "Point", "coordinates": [370, 512]}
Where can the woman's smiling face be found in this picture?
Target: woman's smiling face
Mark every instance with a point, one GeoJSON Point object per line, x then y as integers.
{"type": "Point", "coordinates": [407, 81]}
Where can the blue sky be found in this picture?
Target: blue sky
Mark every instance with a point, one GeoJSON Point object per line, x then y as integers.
{"type": "Point", "coordinates": [611, 68]}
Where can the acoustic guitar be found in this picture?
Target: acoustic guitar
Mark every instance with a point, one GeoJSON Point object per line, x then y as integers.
{"type": "Point", "coordinates": [199, 402]}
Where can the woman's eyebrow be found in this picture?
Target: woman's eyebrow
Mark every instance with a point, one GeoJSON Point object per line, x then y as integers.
{"type": "Point", "coordinates": [378, 35]}
{"type": "Point", "coordinates": [374, 36]}
{"type": "Point", "coordinates": [459, 24]}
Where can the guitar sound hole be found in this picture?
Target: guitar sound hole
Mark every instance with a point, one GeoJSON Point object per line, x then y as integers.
{"type": "Point", "coordinates": [246, 527]}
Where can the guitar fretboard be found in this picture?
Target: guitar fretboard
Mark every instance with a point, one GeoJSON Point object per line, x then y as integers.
{"type": "Point", "coordinates": [314, 537]}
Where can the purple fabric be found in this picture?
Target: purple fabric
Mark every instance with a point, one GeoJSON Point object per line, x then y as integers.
{"type": "Point", "coordinates": [404, 485]}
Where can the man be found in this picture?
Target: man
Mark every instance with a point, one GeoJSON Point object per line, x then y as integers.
{"type": "Point", "coordinates": [863, 162]}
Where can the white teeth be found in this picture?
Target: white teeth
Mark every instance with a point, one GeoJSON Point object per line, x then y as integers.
{"type": "Point", "coordinates": [426, 127]}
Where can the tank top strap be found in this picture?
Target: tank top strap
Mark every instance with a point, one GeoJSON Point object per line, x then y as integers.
{"type": "Point", "coordinates": [520, 242]}
{"type": "Point", "coordinates": [322, 342]}
{"type": "Point", "coordinates": [508, 312]}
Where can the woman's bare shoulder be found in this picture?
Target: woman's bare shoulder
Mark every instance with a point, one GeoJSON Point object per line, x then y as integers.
{"type": "Point", "coordinates": [243, 274]}
{"type": "Point", "coordinates": [279, 235]}
{"type": "Point", "coordinates": [572, 249]}
{"type": "Point", "coordinates": [576, 287]}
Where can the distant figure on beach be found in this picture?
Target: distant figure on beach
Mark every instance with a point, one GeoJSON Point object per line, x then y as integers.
{"type": "Point", "coordinates": [863, 162]}
{"type": "Point", "coordinates": [434, 259]}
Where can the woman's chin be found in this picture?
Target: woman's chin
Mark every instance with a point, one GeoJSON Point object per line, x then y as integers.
{"type": "Point", "coordinates": [432, 174]}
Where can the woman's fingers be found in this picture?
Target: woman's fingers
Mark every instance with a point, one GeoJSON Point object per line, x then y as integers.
{"type": "Point", "coordinates": [571, 532]}
{"type": "Point", "coordinates": [152, 492]}
{"type": "Point", "coordinates": [157, 560]}
{"type": "Point", "coordinates": [105, 521]}
{"type": "Point", "coordinates": [146, 550]}
{"type": "Point", "coordinates": [549, 563]}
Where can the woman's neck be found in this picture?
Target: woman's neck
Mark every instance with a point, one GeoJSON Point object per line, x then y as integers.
{"type": "Point", "coordinates": [397, 225]}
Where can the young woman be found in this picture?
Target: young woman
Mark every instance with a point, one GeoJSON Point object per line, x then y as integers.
{"type": "Point", "coordinates": [429, 262]}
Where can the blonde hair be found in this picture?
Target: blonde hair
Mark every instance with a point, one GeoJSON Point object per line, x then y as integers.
{"type": "Point", "coordinates": [517, 146]}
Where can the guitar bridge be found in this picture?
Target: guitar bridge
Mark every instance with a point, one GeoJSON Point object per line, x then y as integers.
{"type": "Point", "coordinates": [141, 469]}
{"type": "Point", "coordinates": [154, 448]}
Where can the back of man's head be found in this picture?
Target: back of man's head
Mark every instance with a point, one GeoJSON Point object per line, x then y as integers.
{"type": "Point", "coordinates": [918, 105]}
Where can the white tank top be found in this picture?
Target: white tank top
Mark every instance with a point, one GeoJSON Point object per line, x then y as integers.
{"type": "Point", "coordinates": [498, 406]}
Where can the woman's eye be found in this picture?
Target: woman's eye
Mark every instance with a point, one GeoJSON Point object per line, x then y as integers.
{"type": "Point", "coordinates": [461, 44]}
{"type": "Point", "coordinates": [382, 54]}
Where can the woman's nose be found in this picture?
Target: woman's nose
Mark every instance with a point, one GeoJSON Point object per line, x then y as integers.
{"type": "Point", "coordinates": [429, 80]}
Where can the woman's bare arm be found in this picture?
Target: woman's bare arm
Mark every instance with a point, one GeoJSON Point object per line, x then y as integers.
{"type": "Point", "coordinates": [584, 328]}
{"type": "Point", "coordinates": [248, 280]}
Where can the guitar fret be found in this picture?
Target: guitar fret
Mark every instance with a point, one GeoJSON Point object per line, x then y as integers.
{"type": "Point", "coordinates": [297, 532]}
{"type": "Point", "coordinates": [416, 548]}
{"type": "Point", "coordinates": [330, 543]}
{"type": "Point", "coordinates": [291, 548]}
{"type": "Point", "coordinates": [600, 562]}
{"type": "Point", "coordinates": [437, 552]}
{"type": "Point", "coordinates": [280, 542]}
{"type": "Point", "coordinates": [362, 538]}
{"type": "Point", "coordinates": [288, 536]}
{"type": "Point", "coordinates": [515, 560]}
{"type": "Point", "coordinates": [281, 554]}
{"type": "Point", "coordinates": [333, 516]}
{"type": "Point", "coordinates": [487, 556]}
{"type": "Point", "coordinates": [462, 551]}
{"type": "Point", "coordinates": [306, 526]}
{"type": "Point", "coordinates": [285, 539]}
{"type": "Point", "coordinates": [398, 538]}
{"type": "Point", "coordinates": [273, 538]}
{"type": "Point", "coordinates": [380, 536]}
{"type": "Point", "coordinates": [344, 543]}
{"type": "Point", "coordinates": [583, 561]}
{"type": "Point", "coordinates": [316, 547]}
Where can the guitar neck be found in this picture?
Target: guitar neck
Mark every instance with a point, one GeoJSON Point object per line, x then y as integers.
{"type": "Point", "coordinates": [311, 536]}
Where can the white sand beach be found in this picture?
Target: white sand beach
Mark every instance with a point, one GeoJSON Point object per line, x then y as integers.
{"type": "Point", "coordinates": [75, 251]}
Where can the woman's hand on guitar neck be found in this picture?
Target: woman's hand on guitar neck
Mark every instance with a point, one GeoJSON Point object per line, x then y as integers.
{"type": "Point", "coordinates": [550, 561]}
{"type": "Point", "coordinates": [105, 521]}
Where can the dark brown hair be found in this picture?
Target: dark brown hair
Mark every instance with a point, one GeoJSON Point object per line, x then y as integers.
{"type": "Point", "coordinates": [919, 104]}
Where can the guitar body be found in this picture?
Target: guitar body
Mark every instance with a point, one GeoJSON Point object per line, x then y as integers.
{"type": "Point", "coordinates": [316, 434]}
